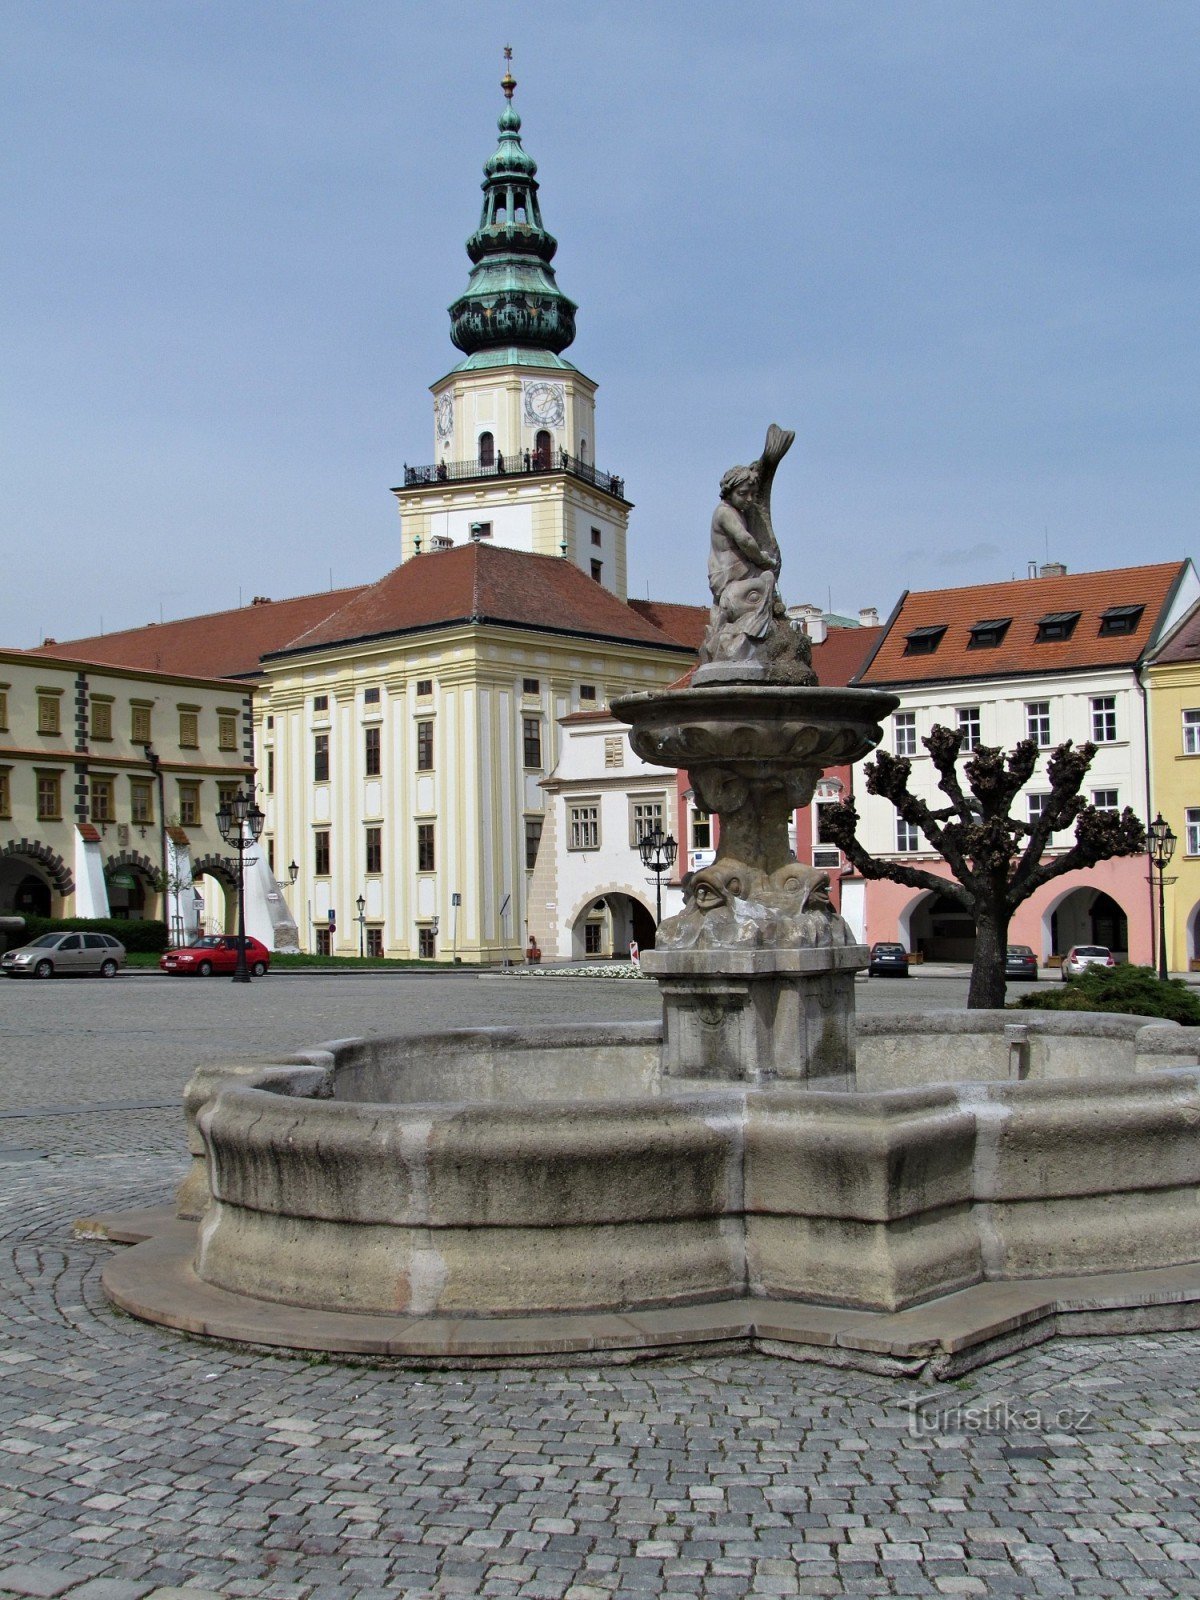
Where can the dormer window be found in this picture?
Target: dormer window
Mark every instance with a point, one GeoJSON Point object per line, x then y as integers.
{"type": "Point", "coordinates": [989, 634]}
{"type": "Point", "coordinates": [1056, 625]}
{"type": "Point", "coordinates": [1120, 619]}
{"type": "Point", "coordinates": [924, 641]}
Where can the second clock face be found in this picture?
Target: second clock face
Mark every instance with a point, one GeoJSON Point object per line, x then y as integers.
{"type": "Point", "coordinates": [545, 404]}
{"type": "Point", "coordinates": [444, 414]}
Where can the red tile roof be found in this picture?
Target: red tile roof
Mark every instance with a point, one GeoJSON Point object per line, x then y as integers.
{"type": "Point", "coordinates": [221, 644]}
{"type": "Point", "coordinates": [841, 653]}
{"type": "Point", "coordinates": [484, 583]}
{"type": "Point", "coordinates": [1025, 601]}
{"type": "Point", "coordinates": [687, 624]}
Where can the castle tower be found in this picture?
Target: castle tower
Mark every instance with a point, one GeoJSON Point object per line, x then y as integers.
{"type": "Point", "coordinates": [514, 421]}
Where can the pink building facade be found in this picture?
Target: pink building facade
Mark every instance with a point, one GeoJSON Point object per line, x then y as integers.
{"type": "Point", "coordinates": [1110, 905]}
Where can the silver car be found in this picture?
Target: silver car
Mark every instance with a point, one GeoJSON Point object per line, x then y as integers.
{"type": "Point", "coordinates": [64, 954]}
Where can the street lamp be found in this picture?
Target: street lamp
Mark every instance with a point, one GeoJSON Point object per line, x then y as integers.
{"type": "Point", "coordinates": [1162, 848]}
{"type": "Point", "coordinates": [361, 919]}
{"type": "Point", "coordinates": [658, 852]}
{"type": "Point", "coordinates": [237, 814]}
{"type": "Point", "coordinates": [293, 873]}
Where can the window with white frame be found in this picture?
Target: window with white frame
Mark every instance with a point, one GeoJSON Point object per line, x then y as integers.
{"type": "Point", "coordinates": [1105, 800]}
{"type": "Point", "coordinates": [1192, 831]}
{"type": "Point", "coordinates": [908, 836]}
{"type": "Point", "coordinates": [904, 733]}
{"type": "Point", "coordinates": [968, 726]}
{"type": "Point", "coordinates": [701, 830]}
{"type": "Point", "coordinates": [585, 826]}
{"type": "Point", "coordinates": [820, 807]}
{"type": "Point", "coordinates": [1104, 718]}
{"type": "Point", "coordinates": [1037, 722]}
{"type": "Point", "coordinates": [1191, 733]}
{"type": "Point", "coordinates": [1035, 805]}
{"type": "Point", "coordinates": [644, 817]}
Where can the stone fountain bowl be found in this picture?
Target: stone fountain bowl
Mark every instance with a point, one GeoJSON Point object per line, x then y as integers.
{"type": "Point", "coordinates": [732, 724]}
{"type": "Point", "coordinates": [477, 1176]}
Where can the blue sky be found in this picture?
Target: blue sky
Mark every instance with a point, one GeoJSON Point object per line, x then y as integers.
{"type": "Point", "coordinates": [953, 243]}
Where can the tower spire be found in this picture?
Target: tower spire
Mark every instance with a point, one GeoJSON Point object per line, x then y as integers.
{"type": "Point", "coordinates": [512, 298]}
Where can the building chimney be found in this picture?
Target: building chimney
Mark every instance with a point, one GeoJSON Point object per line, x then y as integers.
{"type": "Point", "coordinates": [868, 616]}
{"type": "Point", "coordinates": [1053, 569]}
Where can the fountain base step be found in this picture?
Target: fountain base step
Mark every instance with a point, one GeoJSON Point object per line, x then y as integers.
{"type": "Point", "coordinates": [940, 1339]}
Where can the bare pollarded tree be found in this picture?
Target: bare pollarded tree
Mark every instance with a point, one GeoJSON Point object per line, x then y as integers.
{"type": "Point", "coordinates": [997, 860]}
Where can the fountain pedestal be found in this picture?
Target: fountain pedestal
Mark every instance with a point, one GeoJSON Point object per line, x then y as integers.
{"type": "Point", "coordinates": [757, 971]}
{"type": "Point", "coordinates": [757, 1016]}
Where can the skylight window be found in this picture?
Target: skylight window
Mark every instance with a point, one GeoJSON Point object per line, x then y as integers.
{"type": "Point", "coordinates": [988, 634]}
{"type": "Point", "coordinates": [924, 641]}
{"type": "Point", "coordinates": [1056, 625]}
{"type": "Point", "coordinates": [1120, 619]}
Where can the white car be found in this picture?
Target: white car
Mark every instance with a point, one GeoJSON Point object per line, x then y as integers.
{"type": "Point", "coordinates": [1081, 956]}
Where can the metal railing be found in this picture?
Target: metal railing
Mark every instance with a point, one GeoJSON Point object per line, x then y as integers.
{"type": "Point", "coordinates": [530, 463]}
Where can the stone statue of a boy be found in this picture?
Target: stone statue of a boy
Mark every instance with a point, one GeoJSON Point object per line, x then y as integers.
{"type": "Point", "coordinates": [748, 624]}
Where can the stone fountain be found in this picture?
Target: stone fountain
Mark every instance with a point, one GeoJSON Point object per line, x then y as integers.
{"type": "Point", "coordinates": [912, 1195]}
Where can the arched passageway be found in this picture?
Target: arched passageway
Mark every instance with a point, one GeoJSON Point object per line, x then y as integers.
{"type": "Point", "coordinates": [939, 928]}
{"type": "Point", "coordinates": [604, 929]}
{"type": "Point", "coordinates": [215, 883]}
{"type": "Point", "coordinates": [1087, 916]}
{"type": "Point", "coordinates": [34, 880]}
{"type": "Point", "coordinates": [24, 892]}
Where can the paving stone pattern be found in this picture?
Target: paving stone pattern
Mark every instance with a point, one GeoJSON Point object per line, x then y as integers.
{"type": "Point", "coordinates": [137, 1463]}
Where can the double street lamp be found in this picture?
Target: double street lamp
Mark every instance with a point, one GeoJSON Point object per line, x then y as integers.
{"type": "Point", "coordinates": [1162, 848]}
{"type": "Point", "coordinates": [658, 852]}
{"type": "Point", "coordinates": [237, 816]}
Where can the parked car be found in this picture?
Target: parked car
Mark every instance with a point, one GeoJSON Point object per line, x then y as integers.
{"type": "Point", "coordinates": [65, 955]}
{"type": "Point", "coordinates": [1020, 962]}
{"type": "Point", "coordinates": [217, 952]}
{"type": "Point", "coordinates": [1081, 956]}
{"type": "Point", "coordinates": [888, 961]}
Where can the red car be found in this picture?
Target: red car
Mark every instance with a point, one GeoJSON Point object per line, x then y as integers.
{"type": "Point", "coordinates": [216, 953]}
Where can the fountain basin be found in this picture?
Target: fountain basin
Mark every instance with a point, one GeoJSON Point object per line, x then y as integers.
{"type": "Point", "coordinates": [534, 1183]}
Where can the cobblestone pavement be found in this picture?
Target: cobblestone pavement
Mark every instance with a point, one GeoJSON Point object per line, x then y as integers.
{"type": "Point", "coordinates": [134, 1462]}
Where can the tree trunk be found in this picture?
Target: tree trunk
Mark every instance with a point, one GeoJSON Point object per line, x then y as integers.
{"type": "Point", "coordinates": [987, 971]}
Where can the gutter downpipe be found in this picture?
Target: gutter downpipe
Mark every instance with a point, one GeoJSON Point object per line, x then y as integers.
{"type": "Point", "coordinates": [1149, 812]}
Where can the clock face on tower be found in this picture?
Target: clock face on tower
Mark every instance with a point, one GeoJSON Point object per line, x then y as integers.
{"type": "Point", "coordinates": [444, 416]}
{"type": "Point", "coordinates": [545, 404]}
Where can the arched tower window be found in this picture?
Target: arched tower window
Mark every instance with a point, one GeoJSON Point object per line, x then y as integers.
{"type": "Point", "coordinates": [583, 449]}
{"type": "Point", "coordinates": [544, 448]}
{"type": "Point", "coordinates": [487, 450]}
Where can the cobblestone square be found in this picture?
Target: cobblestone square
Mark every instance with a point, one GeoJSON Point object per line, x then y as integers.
{"type": "Point", "coordinates": [138, 1463]}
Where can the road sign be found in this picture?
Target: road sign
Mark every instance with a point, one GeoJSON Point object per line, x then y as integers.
{"type": "Point", "coordinates": [332, 918]}
{"type": "Point", "coordinates": [456, 899]}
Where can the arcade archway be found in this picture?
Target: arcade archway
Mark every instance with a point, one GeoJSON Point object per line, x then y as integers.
{"type": "Point", "coordinates": [1086, 916]}
{"type": "Point", "coordinates": [606, 926]}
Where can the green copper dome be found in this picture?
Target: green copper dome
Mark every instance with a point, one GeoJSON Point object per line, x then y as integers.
{"type": "Point", "coordinates": [512, 297]}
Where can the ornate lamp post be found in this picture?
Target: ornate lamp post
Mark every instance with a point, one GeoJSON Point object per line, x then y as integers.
{"type": "Point", "coordinates": [361, 919]}
{"type": "Point", "coordinates": [658, 852]}
{"type": "Point", "coordinates": [1162, 848]}
{"type": "Point", "coordinates": [236, 816]}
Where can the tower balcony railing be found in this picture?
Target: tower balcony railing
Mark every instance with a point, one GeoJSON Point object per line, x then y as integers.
{"type": "Point", "coordinates": [529, 464]}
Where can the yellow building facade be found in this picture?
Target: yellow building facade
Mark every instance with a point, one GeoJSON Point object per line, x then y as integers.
{"type": "Point", "coordinates": [109, 779]}
{"type": "Point", "coordinates": [1172, 680]}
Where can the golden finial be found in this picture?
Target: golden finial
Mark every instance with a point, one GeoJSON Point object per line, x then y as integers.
{"type": "Point", "coordinates": [508, 83]}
